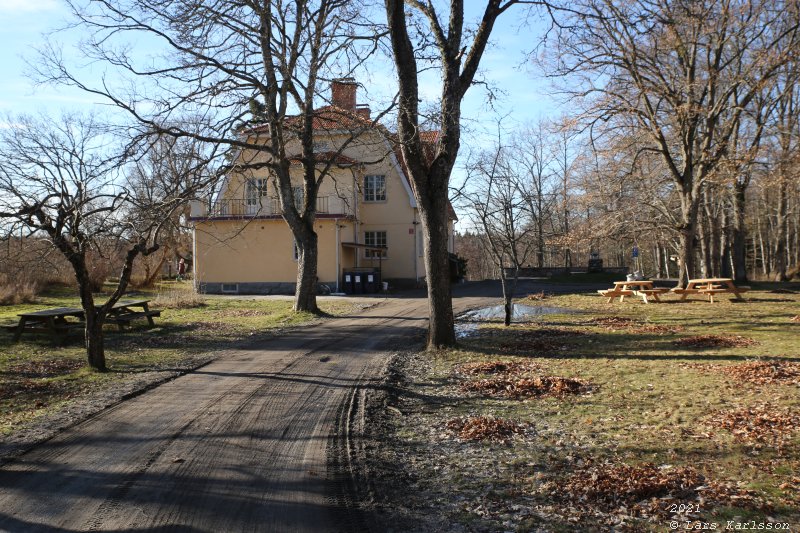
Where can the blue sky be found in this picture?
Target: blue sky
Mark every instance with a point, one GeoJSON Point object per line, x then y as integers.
{"type": "Point", "coordinates": [22, 23]}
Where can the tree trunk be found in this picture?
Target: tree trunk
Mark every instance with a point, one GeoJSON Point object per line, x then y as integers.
{"type": "Point", "coordinates": [508, 310]}
{"type": "Point", "coordinates": [705, 252]}
{"type": "Point", "coordinates": [781, 232]}
{"type": "Point", "coordinates": [95, 342]}
{"type": "Point", "coordinates": [539, 242]}
{"type": "Point", "coordinates": [441, 332]}
{"type": "Point", "coordinates": [686, 238]}
{"type": "Point", "coordinates": [305, 296]}
{"type": "Point", "coordinates": [725, 266]}
{"type": "Point", "coordinates": [739, 235]}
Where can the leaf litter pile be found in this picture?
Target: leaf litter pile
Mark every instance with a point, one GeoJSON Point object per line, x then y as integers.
{"type": "Point", "coordinates": [715, 341]}
{"type": "Point", "coordinates": [479, 428]}
{"type": "Point", "coordinates": [527, 387]}
{"type": "Point", "coordinates": [538, 296]}
{"type": "Point", "coordinates": [758, 372]}
{"type": "Point", "coordinates": [759, 423]}
{"type": "Point", "coordinates": [648, 490]}
{"type": "Point", "coordinates": [516, 380]}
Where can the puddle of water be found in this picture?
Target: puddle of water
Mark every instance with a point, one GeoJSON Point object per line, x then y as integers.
{"type": "Point", "coordinates": [466, 329]}
{"type": "Point", "coordinates": [521, 312]}
{"type": "Point", "coordinates": [469, 322]}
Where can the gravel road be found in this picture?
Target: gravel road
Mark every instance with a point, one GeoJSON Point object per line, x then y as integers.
{"type": "Point", "coordinates": [258, 440]}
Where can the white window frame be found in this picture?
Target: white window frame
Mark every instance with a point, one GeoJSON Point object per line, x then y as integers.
{"type": "Point", "coordinates": [373, 254]}
{"type": "Point", "coordinates": [371, 189]}
{"type": "Point", "coordinates": [255, 189]}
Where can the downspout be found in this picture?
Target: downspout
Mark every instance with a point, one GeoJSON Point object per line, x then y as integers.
{"type": "Point", "coordinates": [194, 257]}
{"type": "Point", "coordinates": [355, 221]}
{"type": "Point", "coordinates": [414, 254]}
{"type": "Point", "coordinates": [338, 275]}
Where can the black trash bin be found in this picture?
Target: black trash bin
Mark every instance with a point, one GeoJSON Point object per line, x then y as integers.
{"type": "Point", "coordinates": [372, 282]}
{"type": "Point", "coordinates": [348, 282]}
{"type": "Point", "coordinates": [358, 282]}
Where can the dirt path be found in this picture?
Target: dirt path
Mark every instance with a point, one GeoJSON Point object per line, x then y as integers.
{"type": "Point", "coordinates": [257, 441]}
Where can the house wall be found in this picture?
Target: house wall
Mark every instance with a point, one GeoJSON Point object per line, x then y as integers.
{"type": "Point", "coordinates": [258, 255]}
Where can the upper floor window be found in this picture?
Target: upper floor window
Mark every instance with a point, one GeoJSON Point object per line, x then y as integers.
{"type": "Point", "coordinates": [374, 188]}
{"type": "Point", "coordinates": [321, 146]}
{"type": "Point", "coordinates": [375, 238]}
{"type": "Point", "coordinates": [254, 189]}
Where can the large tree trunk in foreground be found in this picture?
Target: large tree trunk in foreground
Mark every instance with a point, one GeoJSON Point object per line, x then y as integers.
{"type": "Point", "coordinates": [95, 343]}
{"type": "Point", "coordinates": [305, 298]}
{"type": "Point", "coordinates": [441, 332]}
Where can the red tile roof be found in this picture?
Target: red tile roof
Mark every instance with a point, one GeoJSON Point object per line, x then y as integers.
{"type": "Point", "coordinates": [329, 157]}
{"type": "Point", "coordinates": [328, 118]}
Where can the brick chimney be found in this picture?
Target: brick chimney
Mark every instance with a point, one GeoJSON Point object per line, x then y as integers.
{"type": "Point", "coordinates": [343, 93]}
{"type": "Point", "coordinates": [363, 110]}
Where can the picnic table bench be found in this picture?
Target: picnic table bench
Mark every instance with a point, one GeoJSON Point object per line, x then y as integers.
{"type": "Point", "coordinates": [709, 287]}
{"type": "Point", "coordinates": [55, 321]}
{"type": "Point", "coordinates": [643, 289]}
{"type": "Point", "coordinates": [123, 313]}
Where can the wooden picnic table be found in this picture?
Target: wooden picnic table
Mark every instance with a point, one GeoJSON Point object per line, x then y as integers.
{"type": "Point", "coordinates": [54, 321]}
{"type": "Point", "coordinates": [643, 289]}
{"type": "Point", "coordinates": [710, 287]}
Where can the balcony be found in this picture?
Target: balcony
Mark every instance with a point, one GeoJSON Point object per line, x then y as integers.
{"type": "Point", "coordinates": [265, 207]}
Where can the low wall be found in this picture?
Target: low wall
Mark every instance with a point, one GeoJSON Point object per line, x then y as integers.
{"type": "Point", "coordinates": [546, 272]}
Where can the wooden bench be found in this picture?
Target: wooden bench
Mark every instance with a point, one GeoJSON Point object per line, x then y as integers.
{"type": "Point", "coordinates": [613, 293]}
{"type": "Point", "coordinates": [651, 293]}
{"type": "Point", "coordinates": [124, 319]}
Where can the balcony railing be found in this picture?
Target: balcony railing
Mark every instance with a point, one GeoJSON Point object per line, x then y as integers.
{"type": "Point", "coordinates": [261, 207]}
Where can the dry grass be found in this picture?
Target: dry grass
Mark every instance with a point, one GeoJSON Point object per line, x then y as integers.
{"type": "Point", "coordinates": [17, 292]}
{"type": "Point", "coordinates": [179, 299]}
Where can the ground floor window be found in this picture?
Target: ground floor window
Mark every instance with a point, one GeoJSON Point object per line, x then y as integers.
{"type": "Point", "coordinates": [375, 238]}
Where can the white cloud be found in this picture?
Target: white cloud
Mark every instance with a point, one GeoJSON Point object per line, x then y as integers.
{"type": "Point", "coordinates": [27, 6]}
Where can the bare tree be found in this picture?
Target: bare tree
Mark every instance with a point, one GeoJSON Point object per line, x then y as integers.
{"type": "Point", "coordinates": [458, 52]}
{"type": "Point", "coordinates": [66, 180]}
{"type": "Point", "coordinates": [169, 165]}
{"type": "Point", "coordinates": [498, 205]}
{"type": "Point", "coordinates": [249, 71]}
{"type": "Point", "coordinates": [532, 158]}
{"type": "Point", "coordinates": [684, 72]}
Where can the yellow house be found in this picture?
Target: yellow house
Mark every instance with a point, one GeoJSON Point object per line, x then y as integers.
{"type": "Point", "coordinates": [367, 220]}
